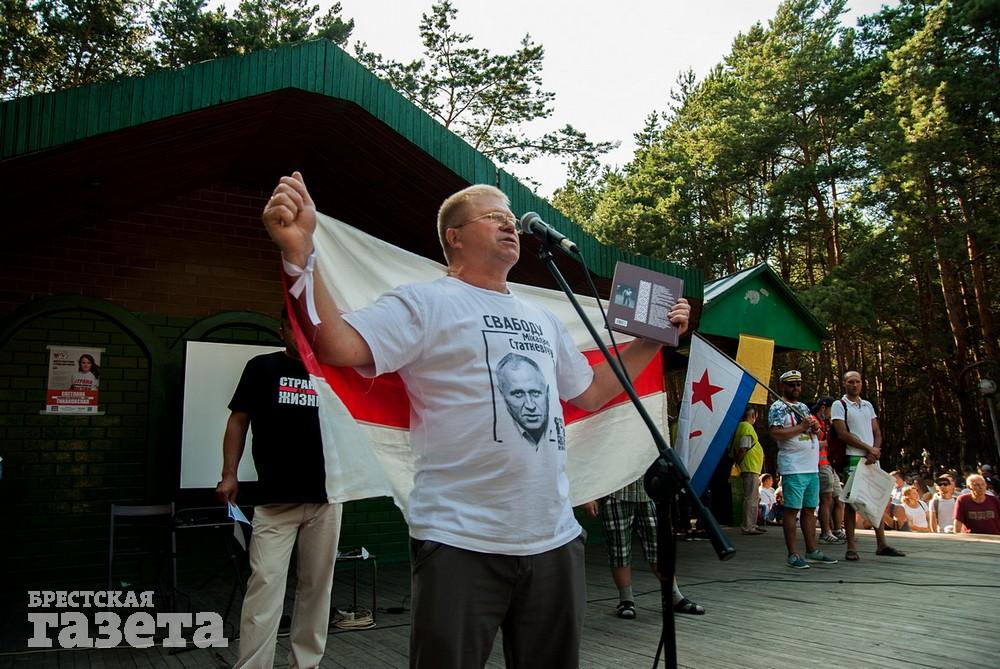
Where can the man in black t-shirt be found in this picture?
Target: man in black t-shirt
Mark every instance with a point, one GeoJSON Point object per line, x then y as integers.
{"type": "Point", "coordinates": [275, 396]}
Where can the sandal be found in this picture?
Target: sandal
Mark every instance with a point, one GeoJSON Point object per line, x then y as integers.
{"type": "Point", "coordinates": [626, 610]}
{"type": "Point", "coordinates": [889, 551]}
{"type": "Point", "coordinates": [687, 606]}
{"type": "Point", "coordinates": [852, 556]}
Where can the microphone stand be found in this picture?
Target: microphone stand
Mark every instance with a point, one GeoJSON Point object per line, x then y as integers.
{"type": "Point", "coordinates": [664, 479]}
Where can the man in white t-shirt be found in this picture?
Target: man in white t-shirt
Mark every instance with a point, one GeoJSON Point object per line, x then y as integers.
{"type": "Point", "coordinates": [494, 541]}
{"type": "Point", "coordinates": [942, 512]}
{"type": "Point", "coordinates": [856, 424]}
{"type": "Point", "coordinates": [794, 429]}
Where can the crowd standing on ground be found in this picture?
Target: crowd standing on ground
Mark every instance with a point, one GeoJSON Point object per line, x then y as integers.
{"type": "Point", "coordinates": [810, 489]}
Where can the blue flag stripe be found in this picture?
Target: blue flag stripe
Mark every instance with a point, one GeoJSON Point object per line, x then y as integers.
{"type": "Point", "coordinates": [720, 442]}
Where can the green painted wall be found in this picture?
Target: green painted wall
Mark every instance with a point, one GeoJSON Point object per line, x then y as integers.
{"type": "Point", "coordinates": [757, 307]}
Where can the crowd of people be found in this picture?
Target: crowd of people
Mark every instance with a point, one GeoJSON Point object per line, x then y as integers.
{"type": "Point", "coordinates": [810, 490]}
{"type": "Point", "coordinates": [916, 505]}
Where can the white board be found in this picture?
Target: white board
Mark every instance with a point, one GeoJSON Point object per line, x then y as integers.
{"type": "Point", "coordinates": [211, 372]}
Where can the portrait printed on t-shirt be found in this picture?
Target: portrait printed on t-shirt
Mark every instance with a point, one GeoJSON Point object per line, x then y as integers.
{"type": "Point", "coordinates": [525, 403]}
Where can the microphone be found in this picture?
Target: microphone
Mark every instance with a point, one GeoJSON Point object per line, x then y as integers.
{"type": "Point", "coordinates": [532, 224]}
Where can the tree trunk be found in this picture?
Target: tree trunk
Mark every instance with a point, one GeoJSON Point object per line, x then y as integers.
{"type": "Point", "coordinates": [829, 378]}
{"type": "Point", "coordinates": [979, 282]}
{"type": "Point", "coordinates": [951, 289]}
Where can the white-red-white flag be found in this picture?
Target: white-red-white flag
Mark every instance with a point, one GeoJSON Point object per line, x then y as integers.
{"type": "Point", "coordinates": [365, 422]}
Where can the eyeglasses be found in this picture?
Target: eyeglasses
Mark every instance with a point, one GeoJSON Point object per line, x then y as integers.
{"type": "Point", "coordinates": [792, 384]}
{"type": "Point", "coordinates": [944, 483]}
{"type": "Point", "coordinates": [498, 218]}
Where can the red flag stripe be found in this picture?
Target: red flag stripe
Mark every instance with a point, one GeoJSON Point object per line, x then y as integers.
{"type": "Point", "coordinates": [649, 382]}
{"type": "Point", "coordinates": [383, 400]}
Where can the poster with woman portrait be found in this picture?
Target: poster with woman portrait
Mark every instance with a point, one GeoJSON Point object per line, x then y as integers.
{"type": "Point", "coordinates": [74, 380]}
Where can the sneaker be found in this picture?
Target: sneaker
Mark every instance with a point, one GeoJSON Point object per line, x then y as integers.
{"type": "Point", "coordinates": [828, 538]}
{"type": "Point", "coordinates": [795, 561]}
{"type": "Point", "coordinates": [626, 610]}
{"type": "Point", "coordinates": [841, 534]}
{"type": "Point", "coordinates": [820, 557]}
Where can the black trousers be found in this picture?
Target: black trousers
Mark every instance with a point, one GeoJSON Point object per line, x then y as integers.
{"type": "Point", "coordinates": [461, 598]}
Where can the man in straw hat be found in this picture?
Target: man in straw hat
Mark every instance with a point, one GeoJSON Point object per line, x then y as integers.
{"type": "Point", "coordinates": [794, 429]}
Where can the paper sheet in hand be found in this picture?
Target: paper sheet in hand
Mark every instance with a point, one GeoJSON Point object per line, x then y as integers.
{"type": "Point", "coordinates": [237, 514]}
{"type": "Point", "coordinates": [640, 303]}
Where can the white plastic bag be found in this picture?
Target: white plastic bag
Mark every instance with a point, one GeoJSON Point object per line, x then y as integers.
{"type": "Point", "coordinates": [868, 491]}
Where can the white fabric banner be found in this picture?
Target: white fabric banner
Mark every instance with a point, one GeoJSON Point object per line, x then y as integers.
{"type": "Point", "coordinates": [605, 450]}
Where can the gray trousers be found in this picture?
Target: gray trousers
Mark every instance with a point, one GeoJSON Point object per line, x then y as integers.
{"type": "Point", "coordinates": [461, 598]}
{"type": "Point", "coordinates": [751, 498]}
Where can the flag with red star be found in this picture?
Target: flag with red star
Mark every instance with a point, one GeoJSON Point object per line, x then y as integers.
{"type": "Point", "coordinates": [716, 392]}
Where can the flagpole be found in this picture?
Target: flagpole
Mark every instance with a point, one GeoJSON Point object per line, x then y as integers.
{"type": "Point", "coordinates": [718, 350]}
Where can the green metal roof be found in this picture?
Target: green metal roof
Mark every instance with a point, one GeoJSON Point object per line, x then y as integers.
{"type": "Point", "coordinates": [43, 122]}
{"type": "Point", "coordinates": [757, 302]}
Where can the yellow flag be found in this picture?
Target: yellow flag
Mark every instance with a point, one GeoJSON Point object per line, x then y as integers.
{"type": "Point", "coordinates": [756, 355]}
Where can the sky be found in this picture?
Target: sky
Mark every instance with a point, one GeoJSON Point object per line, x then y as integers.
{"type": "Point", "coordinates": [609, 64]}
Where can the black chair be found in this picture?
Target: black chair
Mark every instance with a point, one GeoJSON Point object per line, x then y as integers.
{"type": "Point", "coordinates": [155, 522]}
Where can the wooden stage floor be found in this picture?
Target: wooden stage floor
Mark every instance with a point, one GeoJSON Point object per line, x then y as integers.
{"type": "Point", "coordinates": [937, 607]}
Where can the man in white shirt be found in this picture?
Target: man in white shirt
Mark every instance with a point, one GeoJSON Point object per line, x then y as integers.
{"type": "Point", "coordinates": [943, 505]}
{"type": "Point", "coordinates": [856, 424]}
{"type": "Point", "coordinates": [494, 541]}
{"type": "Point", "coordinates": [794, 429]}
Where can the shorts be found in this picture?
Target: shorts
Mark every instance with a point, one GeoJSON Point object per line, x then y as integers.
{"type": "Point", "coordinates": [801, 491]}
{"type": "Point", "coordinates": [852, 463]}
{"type": "Point", "coordinates": [829, 481]}
{"type": "Point", "coordinates": [619, 518]}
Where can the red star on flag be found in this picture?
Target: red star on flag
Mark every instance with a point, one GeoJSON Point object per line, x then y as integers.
{"type": "Point", "coordinates": [702, 391]}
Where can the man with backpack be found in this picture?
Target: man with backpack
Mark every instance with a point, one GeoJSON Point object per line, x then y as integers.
{"type": "Point", "coordinates": [856, 424]}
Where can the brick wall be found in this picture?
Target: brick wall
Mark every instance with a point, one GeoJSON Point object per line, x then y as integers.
{"type": "Point", "coordinates": [171, 264]}
{"type": "Point", "coordinates": [377, 525]}
{"type": "Point", "coordinates": [193, 255]}
{"type": "Point", "coordinates": [62, 472]}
